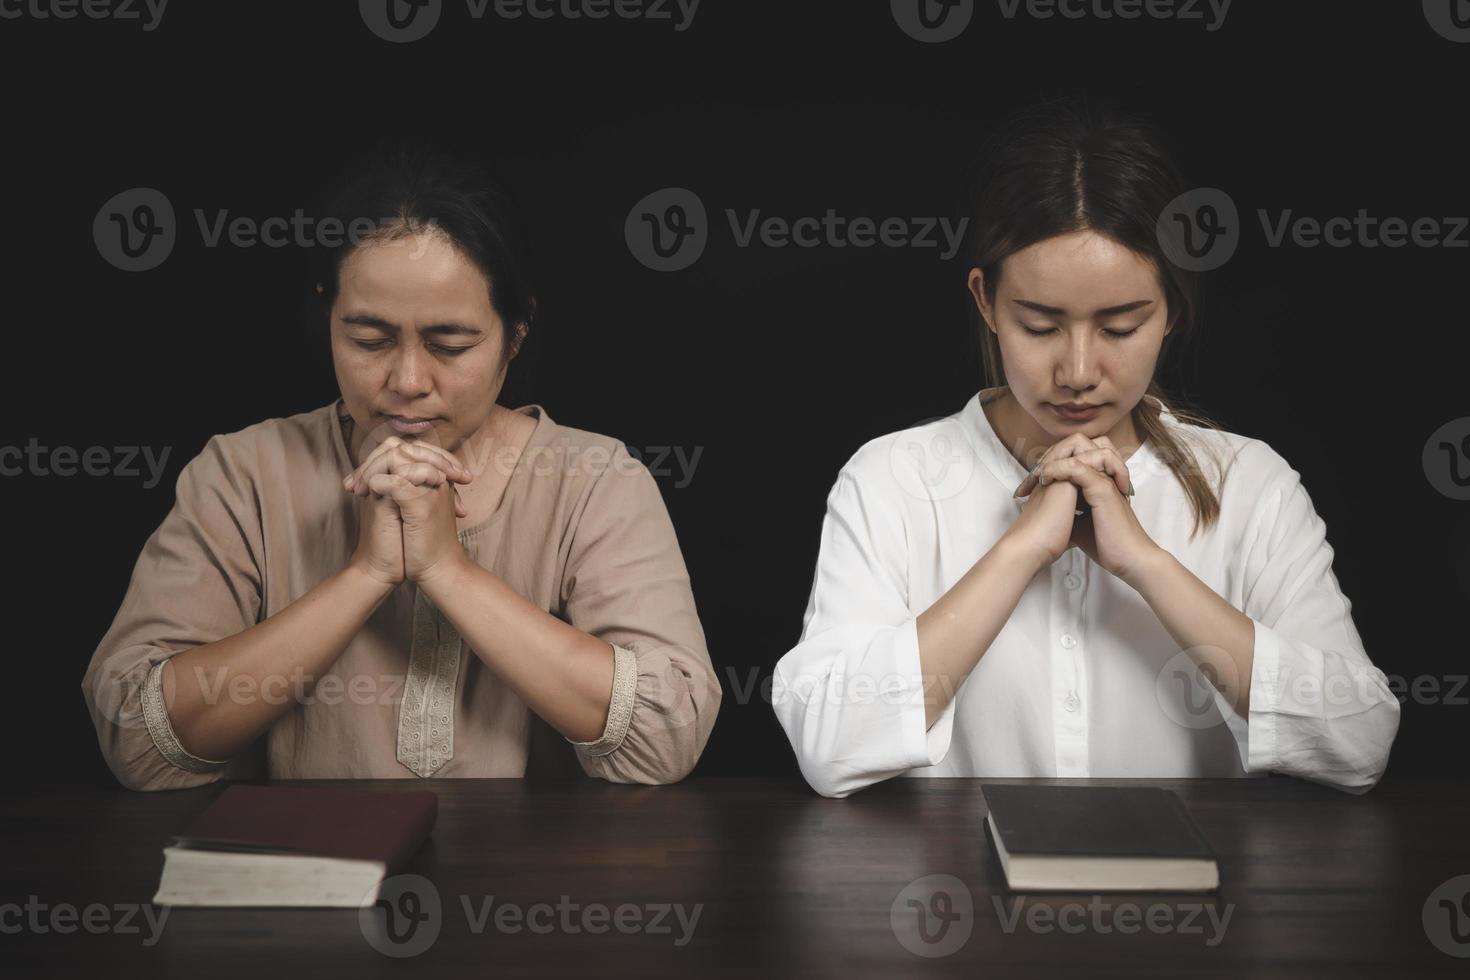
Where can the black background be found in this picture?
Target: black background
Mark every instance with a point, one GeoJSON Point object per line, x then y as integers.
{"type": "Point", "coordinates": [779, 363]}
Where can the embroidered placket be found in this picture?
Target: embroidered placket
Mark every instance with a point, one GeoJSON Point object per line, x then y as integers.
{"type": "Point", "coordinates": [426, 714]}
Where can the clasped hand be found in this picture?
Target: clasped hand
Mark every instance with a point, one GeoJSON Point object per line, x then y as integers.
{"type": "Point", "coordinates": [410, 504]}
{"type": "Point", "coordinates": [1107, 530]}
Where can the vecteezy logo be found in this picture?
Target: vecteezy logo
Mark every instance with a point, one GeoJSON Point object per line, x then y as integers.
{"type": "Point", "coordinates": [1446, 916]}
{"type": "Point", "coordinates": [400, 21]}
{"type": "Point", "coordinates": [1446, 459]}
{"type": "Point", "coordinates": [135, 230]}
{"type": "Point", "coordinates": [929, 462]}
{"type": "Point", "coordinates": [667, 230]}
{"type": "Point", "coordinates": [1200, 229]}
{"type": "Point", "coordinates": [405, 918]}
{"type": "Point", "coordinates": [1449, 18]}
{"type": "Point", "coordinates": [933, 21]}
{"type": "Point", "coordinates": [933, 915]}
{"type": "Point", "coordinates": [1185, 690]}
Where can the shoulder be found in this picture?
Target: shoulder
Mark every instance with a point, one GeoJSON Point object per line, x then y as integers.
{"type": "Point", "coordinates": [571, 439]}
{"type": "Point", "coordinates": [266, 451]}
{"type": "Point", "coordinates": [592, 487]}
{"type": "Point", "coordinates": [577, 469]}
{"type": "Point", "coordinates": [928, 459]}
{"type": "Point", "coordinates": [313, 433]}
{"type": "Point", "coordinates": [1242, 467]}
{"type": "Point", "coordinates": [586, 456]}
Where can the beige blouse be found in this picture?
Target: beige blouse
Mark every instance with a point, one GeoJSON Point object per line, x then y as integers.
{"type": "Point", "coordinates": [260, 517]}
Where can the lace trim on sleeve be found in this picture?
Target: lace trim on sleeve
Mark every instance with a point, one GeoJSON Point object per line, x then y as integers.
{"type": "Point", "coordinates": [620, 709]}
{"type": "Point", "coordinates": [162, 733]}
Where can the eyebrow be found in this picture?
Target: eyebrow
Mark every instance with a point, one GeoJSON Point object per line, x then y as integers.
{"type": "Point", "coordinates": [368, 320]}
{"type": "Point", "coordinates": [1108, 311]}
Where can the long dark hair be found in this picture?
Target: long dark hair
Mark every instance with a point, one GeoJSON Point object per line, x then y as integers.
{"type": "Point", "coordinates": [1075, 164]}
{"type": "Point", "coordinates": [400, 188]}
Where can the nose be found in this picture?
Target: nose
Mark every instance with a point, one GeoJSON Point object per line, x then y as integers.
{"type": "Point", "coordinates": [1078, 370]}
{"type": "Point", "coordinates": [409, 376]}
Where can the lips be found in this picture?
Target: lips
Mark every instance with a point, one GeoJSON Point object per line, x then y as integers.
{"type": "Point", "coordinates": [409, 427]}
{"type": "Point", "coordinates": [1077, 414]}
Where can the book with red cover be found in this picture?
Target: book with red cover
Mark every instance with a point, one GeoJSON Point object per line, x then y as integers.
{"type": "Point", "coordinates": [295, 845]}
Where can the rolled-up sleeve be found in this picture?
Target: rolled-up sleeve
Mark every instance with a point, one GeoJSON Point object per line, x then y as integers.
{"type": "Point", "coordinates": [850, 694]}
{"type": "Point", "coordinates": [196, 580]}
{"type": "Point", "coordinates": [626, 583]}
{"type": "Point", "coordinates": [1319, 709]}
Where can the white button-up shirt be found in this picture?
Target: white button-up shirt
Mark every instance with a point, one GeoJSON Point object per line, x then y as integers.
{"type": "Point", "coordinates": [1083, 679]}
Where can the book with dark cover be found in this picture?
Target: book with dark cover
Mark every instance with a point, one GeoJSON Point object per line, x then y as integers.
{"type": "Point", "coordinates": [295, 845]}
{"type": "Point", "coordinates": [1097, 838]}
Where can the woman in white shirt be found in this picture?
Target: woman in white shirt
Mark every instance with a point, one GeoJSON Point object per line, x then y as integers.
{"type": "Point", "coordinates": [1130, 591]}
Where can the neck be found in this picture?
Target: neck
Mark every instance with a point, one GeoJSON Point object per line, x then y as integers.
{"type": "Point", "coordinates": [478, 451]}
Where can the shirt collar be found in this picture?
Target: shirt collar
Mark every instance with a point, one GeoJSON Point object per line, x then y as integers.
{"type": "Point", "coordinates": [1008, 470]}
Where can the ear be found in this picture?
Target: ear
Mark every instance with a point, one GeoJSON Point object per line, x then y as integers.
{"type": "Point", "coordinates": [976, 283]}
{"type": "Point", "coordinates": [515, 347]}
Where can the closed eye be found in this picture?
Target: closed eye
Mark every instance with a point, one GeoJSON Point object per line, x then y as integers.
{"type": "Point", "coordinates": [1110, 333]}
{"type": "Point", "coordinates": [380, 344]}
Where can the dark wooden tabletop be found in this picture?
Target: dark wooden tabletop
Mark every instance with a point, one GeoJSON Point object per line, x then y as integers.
{"type": "Point", "coordinates": [722, 876]}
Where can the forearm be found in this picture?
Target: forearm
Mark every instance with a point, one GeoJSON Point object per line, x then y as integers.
{"type": "Point", "coordinates": [221, 696]}
{"type": "Point", "coordinates": [560, 672]}
{"type": "Point", "coordinates": [1219, 638]}
{"type": "Point", "coordinates": [959, 627]}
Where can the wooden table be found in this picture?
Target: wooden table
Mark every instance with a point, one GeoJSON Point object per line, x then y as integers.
{"type": "Point", "coordinates": [783, 883]}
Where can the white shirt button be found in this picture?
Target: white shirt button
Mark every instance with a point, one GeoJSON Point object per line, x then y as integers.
{"type": "Point", "coordinates": [1072, 581]}
{"type": "Point", "coordinates": [1072, 703]}
{"type": "Point", "coordinates": [1068, 640]}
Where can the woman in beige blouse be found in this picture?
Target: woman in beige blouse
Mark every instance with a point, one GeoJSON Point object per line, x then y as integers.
{"type": "Point", "coordinates": [347, 593]}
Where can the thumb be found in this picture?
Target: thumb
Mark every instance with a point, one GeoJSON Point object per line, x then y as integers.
{"type": "Point", "coordinates": [381, 508]}
{"type": "Point", "coordinates": [1097, 488]}
{"type": "Point", "coordinates": [414, 501]}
